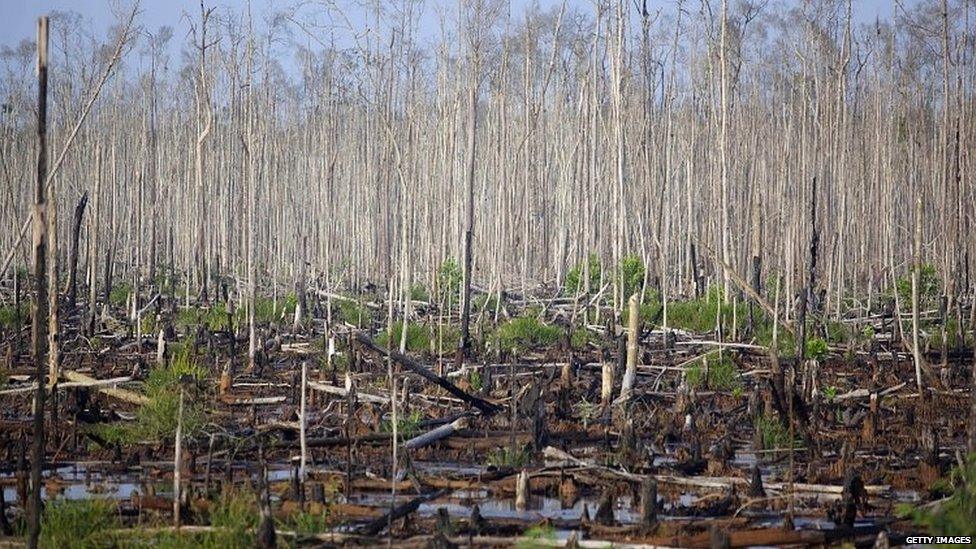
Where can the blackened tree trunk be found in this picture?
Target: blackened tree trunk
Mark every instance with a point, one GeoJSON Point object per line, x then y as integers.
{"type": "Point", "coordinates": [39, 326]}
{"type": "Point", "coordinates": [73, 253]}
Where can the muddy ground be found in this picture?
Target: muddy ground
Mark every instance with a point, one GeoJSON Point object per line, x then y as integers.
{"type": "Point", "coordinates": [712, 432]}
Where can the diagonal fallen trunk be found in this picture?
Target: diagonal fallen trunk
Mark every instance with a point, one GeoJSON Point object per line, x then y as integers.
{"type": "Point", "coordinates": [377, 525]}
{"type": "Point", "coordinates": [115, 392]}
{"type": "Point", "coordinates": [484, 406]}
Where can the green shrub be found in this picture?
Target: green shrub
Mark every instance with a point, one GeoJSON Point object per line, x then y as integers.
{"type": "Point", "coordinates": [929, 288]}
{"type": "Point", "coordinates": [78, 523]}
{"type": "Point", "coordinates": [817, 348]}
{"type": "Point", "coordinates": [418, 337]}
{"type": "Point", "coordinates": [526, 332]}
{"type": "Point", "coordinates": [484, 302]}
{"type": "Point", "coordinates": [419, 293]}
{"type": "Point", "coordinates": [575, 277]}
{"type": "Point", "coordinates": [774, 434]}
{"type": "Point", "coordinates": [786, 344]}
{"type": "Point", "coordinates": [157, 419]}
{"type": "Point", "coordinates": [581, 338]}
{"type": "Point", "coordinates": [955, 516]}
{"type": "Point", "coordinates": [449, 277]}
{"type": "Point", "coordinates": [8, 316]}
{"type": "Point", "coordinates": [305, 523]}
{"type": "Point", "coordinates": [235, 517]}
{"type": "Point", "coordinates": [351, 312]}
{"type": "Point", "coordinates": [450, 338]}
{"type": "Point", "coordinates": [265, 309]}
{"type": "Point", "coordinates": [699, 315]}
{"type": "Point", "coordinates": [722, 374]}
{"type": "Point", "coordinates": [407, 426]}
{"type": "Point", "coordinates": [538, 536]}
{"type": "Point", "coordinates": [837, 332]}
{"type": "Point", "coordinates": [632, 271]}
{"type": "Point", "coordinates": [476, 381]}
{"type": "Point", "coordinates": [119, 294]}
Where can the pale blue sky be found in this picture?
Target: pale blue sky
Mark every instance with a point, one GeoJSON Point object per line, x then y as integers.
{"type": "Point", "coordinates": [17, 17]}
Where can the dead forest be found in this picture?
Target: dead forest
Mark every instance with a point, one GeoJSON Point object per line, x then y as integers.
{"type": "Point", "coordinates": [424, 273]}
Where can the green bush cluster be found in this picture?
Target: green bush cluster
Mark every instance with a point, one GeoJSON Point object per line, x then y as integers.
{"type": "Point", "coordinates": [506, 457]}
{"type": "Point", "coordinates": [449, 277]}
{"type": "Point", "coordinates": [408, 426]}
{"type": "Point", "coordinates": [418, 337]}
{"type": "Point", "coordinates": [722, 373]}
{"type": "Point", "coordinates": [119, 294]}
{"type": "Point", "coordinates": [575, 278]}
{"type": "Point", "coordinates": [526, 332]}
{"type": "Point", "coordinates": [699, 315]}
{"type": "Point", "coordinates": [8, 316]}
{"type": "Point", "coordinates": [929, 287]}
{"type": "Point", "coordinates": [632, 271]}
{"type": "Point", "coordinates": [484, 302]}
{"type": "Point", "coordinates": [955, 516]}
{"type": "Point", "coordinates": [352, 312]}
{"type": "Point", "coordinates": [157, 419]}
{"type": "Point", "coordinates": [419, 293]}
{"type": "Point", "coordinates": [817, 348]}
{"type": "Point", "coordinates": [774, 434]}
{"type": "Point", "coordinates": [581, 338]}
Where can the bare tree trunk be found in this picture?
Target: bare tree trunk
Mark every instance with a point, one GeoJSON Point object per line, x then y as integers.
{"type": "Point", "coordinates": [465, 344]}
{"type": "Point", "coordinates": [93, 245]}
{"type": "Point", "coordinates": [73, 254]}
{"type": "Point", "coordinates": [39, 327]}
{"type": "Point", "coordinates": [916, 271]}
{"type": "Point", "coordinates": [633, 334]}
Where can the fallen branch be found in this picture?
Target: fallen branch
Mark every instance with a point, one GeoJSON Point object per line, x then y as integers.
{"type": "Point", "coordinates": [341, 391]}
{"type": "Point", "coordinates": [115, 392]}
{"type": "Point", "coordinates": [484, 406]}
{"type": "Point", "coordinates": [70, 385]}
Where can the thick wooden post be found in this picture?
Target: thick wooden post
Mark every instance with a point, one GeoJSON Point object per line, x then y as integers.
{"type": "Point", "coordinates": [633, 329]}
{"type": "Point", "coordinates": [73, 253]}
{"type": "Point", "coordinates": [39, 326]}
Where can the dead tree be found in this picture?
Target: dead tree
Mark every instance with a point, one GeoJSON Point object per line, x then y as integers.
{"type": "Point", "coordinates": [72, 286]}
{"type": "Point", "coordinates": [39, 327]}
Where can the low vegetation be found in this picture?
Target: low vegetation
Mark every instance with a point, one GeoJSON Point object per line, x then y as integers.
{"type": "Point", "coordinates": [715, 371]}
{"type": "Point", "coordinates": [157, 419]}
{"type": "Point", "coordinates": [525, 333]}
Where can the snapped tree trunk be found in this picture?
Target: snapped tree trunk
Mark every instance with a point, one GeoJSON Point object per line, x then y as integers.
{"type": "Point", "coordinates": [72, 288]}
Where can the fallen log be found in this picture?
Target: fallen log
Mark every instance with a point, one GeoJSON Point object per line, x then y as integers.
{"type": "Point", "coordinates": [341, 391]}
{"type": "Point", "coordinates": [69, 385]}
{"type": "Point", "coordinates": [484, 406]}
{"type": "Point", "coordinates": [557, 457]}
{"type": "Point", "coordinates": [436, 434]}
{"type": "Point", "coordinates": [114, 392]}
{"type": "Point", "coordinates": [377, 525]}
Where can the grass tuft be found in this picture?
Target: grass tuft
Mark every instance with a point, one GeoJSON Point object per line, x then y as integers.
{"type": "Point", "coordinates": [418, 337]}
{"type": "Point", "coordinates": [157, 419]}
{"type": "Point", "coordinates": [722, 373]}
{"type": "Point", "coordinates": [78, 523]}
{"type": "Point", "coordinates": [526, 332]}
